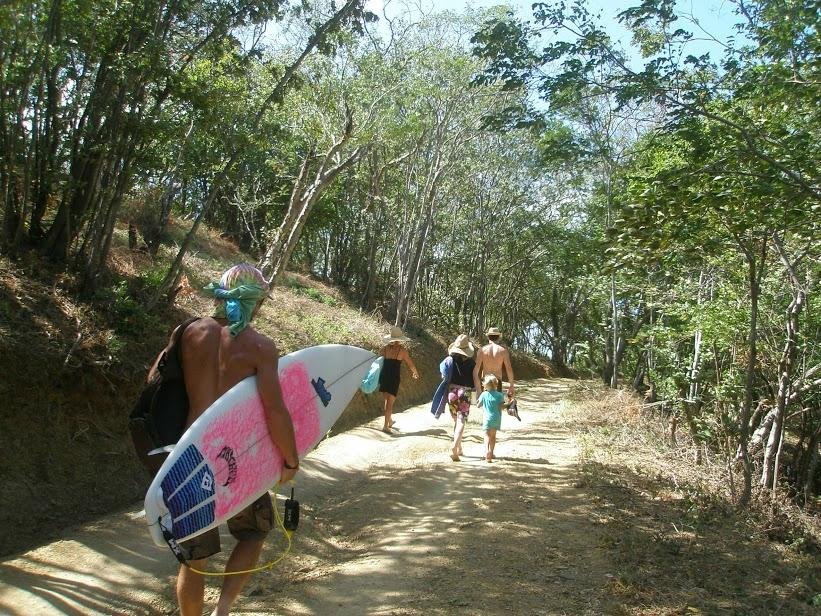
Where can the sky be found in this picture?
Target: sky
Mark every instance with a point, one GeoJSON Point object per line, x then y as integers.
{"type": "Point", "coordinates": [715, 16]}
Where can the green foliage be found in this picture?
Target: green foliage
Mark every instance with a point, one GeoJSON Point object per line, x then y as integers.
{"type": "Point", "coordinates": [151, 280]}
{"type": "Point", "coordinates": [126, 312]}
{"type": "Point", "coordinates": [602, 212]}
{"type": "Point", "coordinates": [695, 210]}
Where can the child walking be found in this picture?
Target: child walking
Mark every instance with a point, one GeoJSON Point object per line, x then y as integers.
{"type": "Point", "coordinates": [492, 401]}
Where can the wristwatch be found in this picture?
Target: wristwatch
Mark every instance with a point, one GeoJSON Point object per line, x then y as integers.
{"type": "Point", "coordinates": [289, 467]}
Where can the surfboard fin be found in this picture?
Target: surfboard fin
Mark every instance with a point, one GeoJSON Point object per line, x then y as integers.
{"type": "Point", "coordinates": [159, 450]}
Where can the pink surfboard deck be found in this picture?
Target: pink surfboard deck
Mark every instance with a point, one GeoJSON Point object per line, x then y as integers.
{"type": "Point", "coordinates": [226, 459]}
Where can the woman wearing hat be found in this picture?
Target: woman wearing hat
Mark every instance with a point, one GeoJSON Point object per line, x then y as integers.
{"type": "Point", "coordinates": [394, 353]}
{"type": "Point", "coordinates": [457, 367]}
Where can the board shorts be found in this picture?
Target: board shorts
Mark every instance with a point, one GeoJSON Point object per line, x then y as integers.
{"type": "Point", "coordinates": [251, 524]}
{"type": "Point", "coordinates": [459, 401]}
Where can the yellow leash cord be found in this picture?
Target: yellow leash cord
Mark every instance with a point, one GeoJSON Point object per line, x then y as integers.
{"type": "Point", "coordinates": [285, 553]}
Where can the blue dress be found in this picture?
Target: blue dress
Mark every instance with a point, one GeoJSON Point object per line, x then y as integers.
{"type": "Point", "coordinates": [491, 402]}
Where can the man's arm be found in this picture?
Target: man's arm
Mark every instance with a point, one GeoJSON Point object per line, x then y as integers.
{"type": "Point", "coordinates": [280, 427]}
{"type": "Point", "coordinates": [477, 370]}
{"type": "Point", "coordinates": [508, 370]}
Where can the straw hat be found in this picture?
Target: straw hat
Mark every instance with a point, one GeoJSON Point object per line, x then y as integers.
{"type": "Point", "coordinates": [463, 346]}
{"type": "Point", "coordinates": [396, 335]}
{"type": "Point", "coordinates": [493, 331]}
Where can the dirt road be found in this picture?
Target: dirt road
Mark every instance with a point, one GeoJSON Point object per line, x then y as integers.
{"type": "Point", "coordinates": [390, 525]}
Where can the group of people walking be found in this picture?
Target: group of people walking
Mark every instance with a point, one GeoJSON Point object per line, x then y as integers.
{"type": "Point", "coordinates": [217, 352]}
{"type": "Point", "coordinates": [470, 375]}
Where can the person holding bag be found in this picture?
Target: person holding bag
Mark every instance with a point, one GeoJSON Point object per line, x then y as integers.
{"type": "Point", "coordinates": [393, 353]}
{"type": "Point", "coordinates": [456, 388]}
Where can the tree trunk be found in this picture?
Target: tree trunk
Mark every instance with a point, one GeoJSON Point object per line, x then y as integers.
{"type": "Point", "coordinates": [785, 370]}
{"type": "Point", "coordinates": [692, 403]}
{"type": "Point", "coordinates": [754, 273]}
{"type": "Point", "coordinates": [414, 257]}
{"type": "Point", "coordinates": [302, 201]}
{"type": "Point", "coordinates": [614, 374]}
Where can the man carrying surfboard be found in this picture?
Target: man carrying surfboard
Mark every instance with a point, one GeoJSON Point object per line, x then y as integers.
{"type": "Point", "coordinates": [217, 353]}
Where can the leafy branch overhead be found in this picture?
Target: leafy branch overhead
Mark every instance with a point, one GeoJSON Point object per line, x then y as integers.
{"type": "Point", "coordinates": [645, 212]}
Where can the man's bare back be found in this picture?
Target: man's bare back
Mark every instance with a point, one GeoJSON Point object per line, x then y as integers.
{"type": "Point", "coordinates": [214, 361]}
{"type": "Point", "coordinates": [492, 359]}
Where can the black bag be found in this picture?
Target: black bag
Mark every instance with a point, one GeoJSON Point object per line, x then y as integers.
{"type": "Point", "coordinates": [158, 418]}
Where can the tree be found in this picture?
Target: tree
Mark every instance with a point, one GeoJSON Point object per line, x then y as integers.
{"type": "Point", "coordinates": [726, 167]}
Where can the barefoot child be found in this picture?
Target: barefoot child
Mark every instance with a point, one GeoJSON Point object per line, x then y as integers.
{"type": "Point", "coordinates": [492, 401]}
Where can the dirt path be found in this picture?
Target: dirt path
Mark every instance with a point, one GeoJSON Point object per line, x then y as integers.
{"type": "Point", "coordinates": [389, 526]}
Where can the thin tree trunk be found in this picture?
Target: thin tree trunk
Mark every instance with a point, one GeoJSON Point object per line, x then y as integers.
{"type": "Point", "coordinates": [280, 258]}
{"type": "Point", "coordinates": [754, 274]}
{"type": "Point", "coordinates": [785, 370]}
{"type": "Point", "coordinates": [692, 405]}
{"type": "Point", "coordinates": [614, 375]}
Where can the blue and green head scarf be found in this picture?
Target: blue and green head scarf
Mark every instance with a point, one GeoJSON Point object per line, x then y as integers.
{"type": "Point", "coordinates": [237, 293]}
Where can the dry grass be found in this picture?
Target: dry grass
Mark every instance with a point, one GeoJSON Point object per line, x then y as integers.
{"type": "Point", "coordinates": [72, 368]}
{"type": "Point", "coordinates": [680, 544]}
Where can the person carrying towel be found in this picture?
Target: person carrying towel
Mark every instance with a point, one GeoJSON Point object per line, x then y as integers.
{"type": "Point", "coordinates": [394, 353]}
{"type": "Point", "coordinates": [457, 367]}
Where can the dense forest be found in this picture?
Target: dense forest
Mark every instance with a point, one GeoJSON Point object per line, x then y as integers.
{"type": "Point", "coordinates": [630, 210]}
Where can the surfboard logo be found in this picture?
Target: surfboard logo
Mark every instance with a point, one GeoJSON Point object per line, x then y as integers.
{"type": "Point", "coordinates": [319, 387]}
{"type": "Point", "coordinates": [227, 454]}
{"type": "Point", "coordinates": [207, 483]}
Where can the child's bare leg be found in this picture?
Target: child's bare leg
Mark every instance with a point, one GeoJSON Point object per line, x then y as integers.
{"type": "Point", "coordinates": [488, 450]}
{"type": "Point", "coordinates": [457, 443]}
{"type": "Point", "coordinates": [491, 443]}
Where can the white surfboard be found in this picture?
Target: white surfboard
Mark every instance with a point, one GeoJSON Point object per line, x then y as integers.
{"type": "Point", "coordinates": [226, 459]}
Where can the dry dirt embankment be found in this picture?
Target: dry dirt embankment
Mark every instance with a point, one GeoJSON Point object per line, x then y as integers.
{"type": "Point", "coordinates": [70, 370]}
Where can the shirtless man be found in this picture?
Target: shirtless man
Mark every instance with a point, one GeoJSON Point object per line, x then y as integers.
{"type": "Point", "coordinates": [217, 353]}
{"type": "Point", "coordinates": [491, 359]}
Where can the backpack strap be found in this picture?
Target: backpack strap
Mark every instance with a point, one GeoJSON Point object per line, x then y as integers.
{"type": "Point", "coordinates": [171, 367]}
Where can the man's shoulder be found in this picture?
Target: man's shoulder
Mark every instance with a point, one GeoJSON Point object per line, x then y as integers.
{"type": "Point", "coordinates": [259, 340]}
{"type": "Point", "coordinates": [197, 330]}
{"type": "Point", "coordinates": [201, 324]}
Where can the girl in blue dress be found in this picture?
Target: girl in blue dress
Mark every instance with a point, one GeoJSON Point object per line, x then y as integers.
{"type": "Point", "coordinates": [492, 402]}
